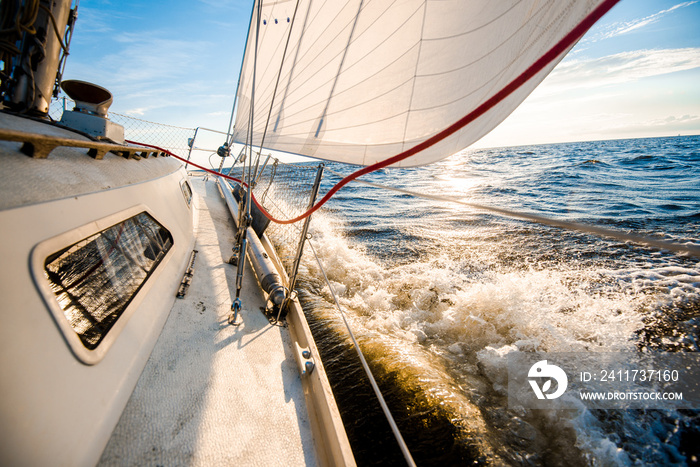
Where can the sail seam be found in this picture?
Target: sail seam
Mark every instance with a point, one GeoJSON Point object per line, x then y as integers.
{"type": "Point", "coordinates": [484, 56]}
{"type": "Point", "coordinates": [340, 70]}
{"type": "Point", "coordinates": [320, 52]}
{"type": "Point", "coordinates": [301, 111]}
{"type": "Point", "coordinates": [279, 74]}
{"type": "Point", "coordinates": [465, 33]}
{"type": "Point", "coordinates": [415, 75]}
{"type": "Point", "coordinates": [525, 45]}
{"type": "Point", "coordinates": [300, 98]}
{"type": "Point", "coordinates": [264, 92]}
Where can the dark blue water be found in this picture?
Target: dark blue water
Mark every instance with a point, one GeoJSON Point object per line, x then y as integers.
{"type": "Point", "coordinates": [440, 293]}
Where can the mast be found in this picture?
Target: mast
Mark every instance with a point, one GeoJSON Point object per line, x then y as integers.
{"type": "Point", "coordinates": [34, 43]}
{"type": "Point", "coordinates": [229, 133]}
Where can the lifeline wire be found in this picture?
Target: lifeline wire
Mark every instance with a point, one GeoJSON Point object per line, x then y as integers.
{"type": "Point", "coordinates": [373, 382]}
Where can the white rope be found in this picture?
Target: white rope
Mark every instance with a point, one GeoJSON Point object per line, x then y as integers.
{"type": "Point", "coordinates": [691, 250]}
{"type": "Point", "coordinates": [373, 382]}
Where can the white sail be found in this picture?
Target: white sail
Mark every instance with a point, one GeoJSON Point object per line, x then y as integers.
{"type": "Point", "coordinates": [363, 80]}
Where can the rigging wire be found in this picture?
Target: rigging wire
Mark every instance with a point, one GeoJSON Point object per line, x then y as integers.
{"type": "Point", "coordinates": [357, 61]}
{"type": "Point", "coordinates": [252, 111]}
{"type": "Point", "coordinates": [493, 81]}
{"type": "Point", "coordinates": [244, 219]}
{"type": "Point", "coordinates": [537, 66]}
{"type": "Point", "coordinates": [274, 92]}
{"type": "Point", "coordinates": [375, 387]}
{"type": "Point", "coordinates": [229, 133]}
{"type": "Point", "coordinates": [385, 408]}
{"type": "Point", "coordinates": [319, 54]}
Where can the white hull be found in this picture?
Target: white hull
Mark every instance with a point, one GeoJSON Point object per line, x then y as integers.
{"type": "Point", "coordinates": [54, 407]}
{"type": "Point", "coordinates": [211, 393]}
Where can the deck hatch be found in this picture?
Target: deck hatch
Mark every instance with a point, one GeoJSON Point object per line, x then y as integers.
{"type": "Point", "coordinates": [96, 278]}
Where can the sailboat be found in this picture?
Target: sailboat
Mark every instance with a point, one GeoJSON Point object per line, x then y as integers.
{"type": "Point", "coordinates": [101, 361]}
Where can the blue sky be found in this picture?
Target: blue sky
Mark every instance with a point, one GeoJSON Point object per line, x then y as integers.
{"type": "Point", "coordinates": [634, 74]}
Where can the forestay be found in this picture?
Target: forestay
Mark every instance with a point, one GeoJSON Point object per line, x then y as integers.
{"type": "Point", "coordinates": [363, 80]}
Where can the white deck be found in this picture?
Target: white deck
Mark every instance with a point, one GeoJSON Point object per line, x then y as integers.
{"type": "Point", "coordinates": [211, 393]}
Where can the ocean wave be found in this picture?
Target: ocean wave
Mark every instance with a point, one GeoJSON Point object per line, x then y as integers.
{"type": "Point", "coordinates": [439, 295]}
{"type": "Point", "coordinates": [434, 319]}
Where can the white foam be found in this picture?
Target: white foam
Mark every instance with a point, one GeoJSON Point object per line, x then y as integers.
{"type": "Point", "coordinates": [466, 314]}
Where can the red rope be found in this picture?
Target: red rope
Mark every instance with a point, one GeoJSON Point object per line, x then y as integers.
{"type": "Point", "coordinates": [566, 42]}
{"type": "Point", "coordinates": [219, 174]}
{"type": "Point", "coordinates": [185, 160]}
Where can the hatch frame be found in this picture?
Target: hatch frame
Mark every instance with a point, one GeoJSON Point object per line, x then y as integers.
{"type": "Point", "coordinates": [50, 246]}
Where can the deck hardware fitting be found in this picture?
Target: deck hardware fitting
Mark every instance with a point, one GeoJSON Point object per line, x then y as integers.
{"type": "Point", "coordinates": [187, 278]}
{"type": "Point", "coordinates": [40, 146]}
{"type": "Point", "coordinates": [306, 363]}
{"type": "Point", "coordinates": [235, 311]}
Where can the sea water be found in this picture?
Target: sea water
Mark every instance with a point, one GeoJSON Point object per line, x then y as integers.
{"type": "Point", "coordinates": [438, 294]}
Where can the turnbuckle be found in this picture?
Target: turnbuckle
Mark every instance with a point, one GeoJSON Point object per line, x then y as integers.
{"type": "Point", "coordinates": [235, 310]}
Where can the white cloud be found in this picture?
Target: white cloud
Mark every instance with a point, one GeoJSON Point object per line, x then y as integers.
{"type": "Point", "coordinates": [146, 72]}
{"type": "Point", "coordinates": [140, 111]}
{"type": "Point", "coordinates": [618, 68]}
{"type": "Point", "coordinates": [226, 4]}
{"type": "Point", "coordinates": [609, 97]}
{"type": "Point", "coordinates": [681, 121]}
{"type": "Point", "coordinates": [624, 27]}
{"type": "Point", "coordinates": [219, 113]}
